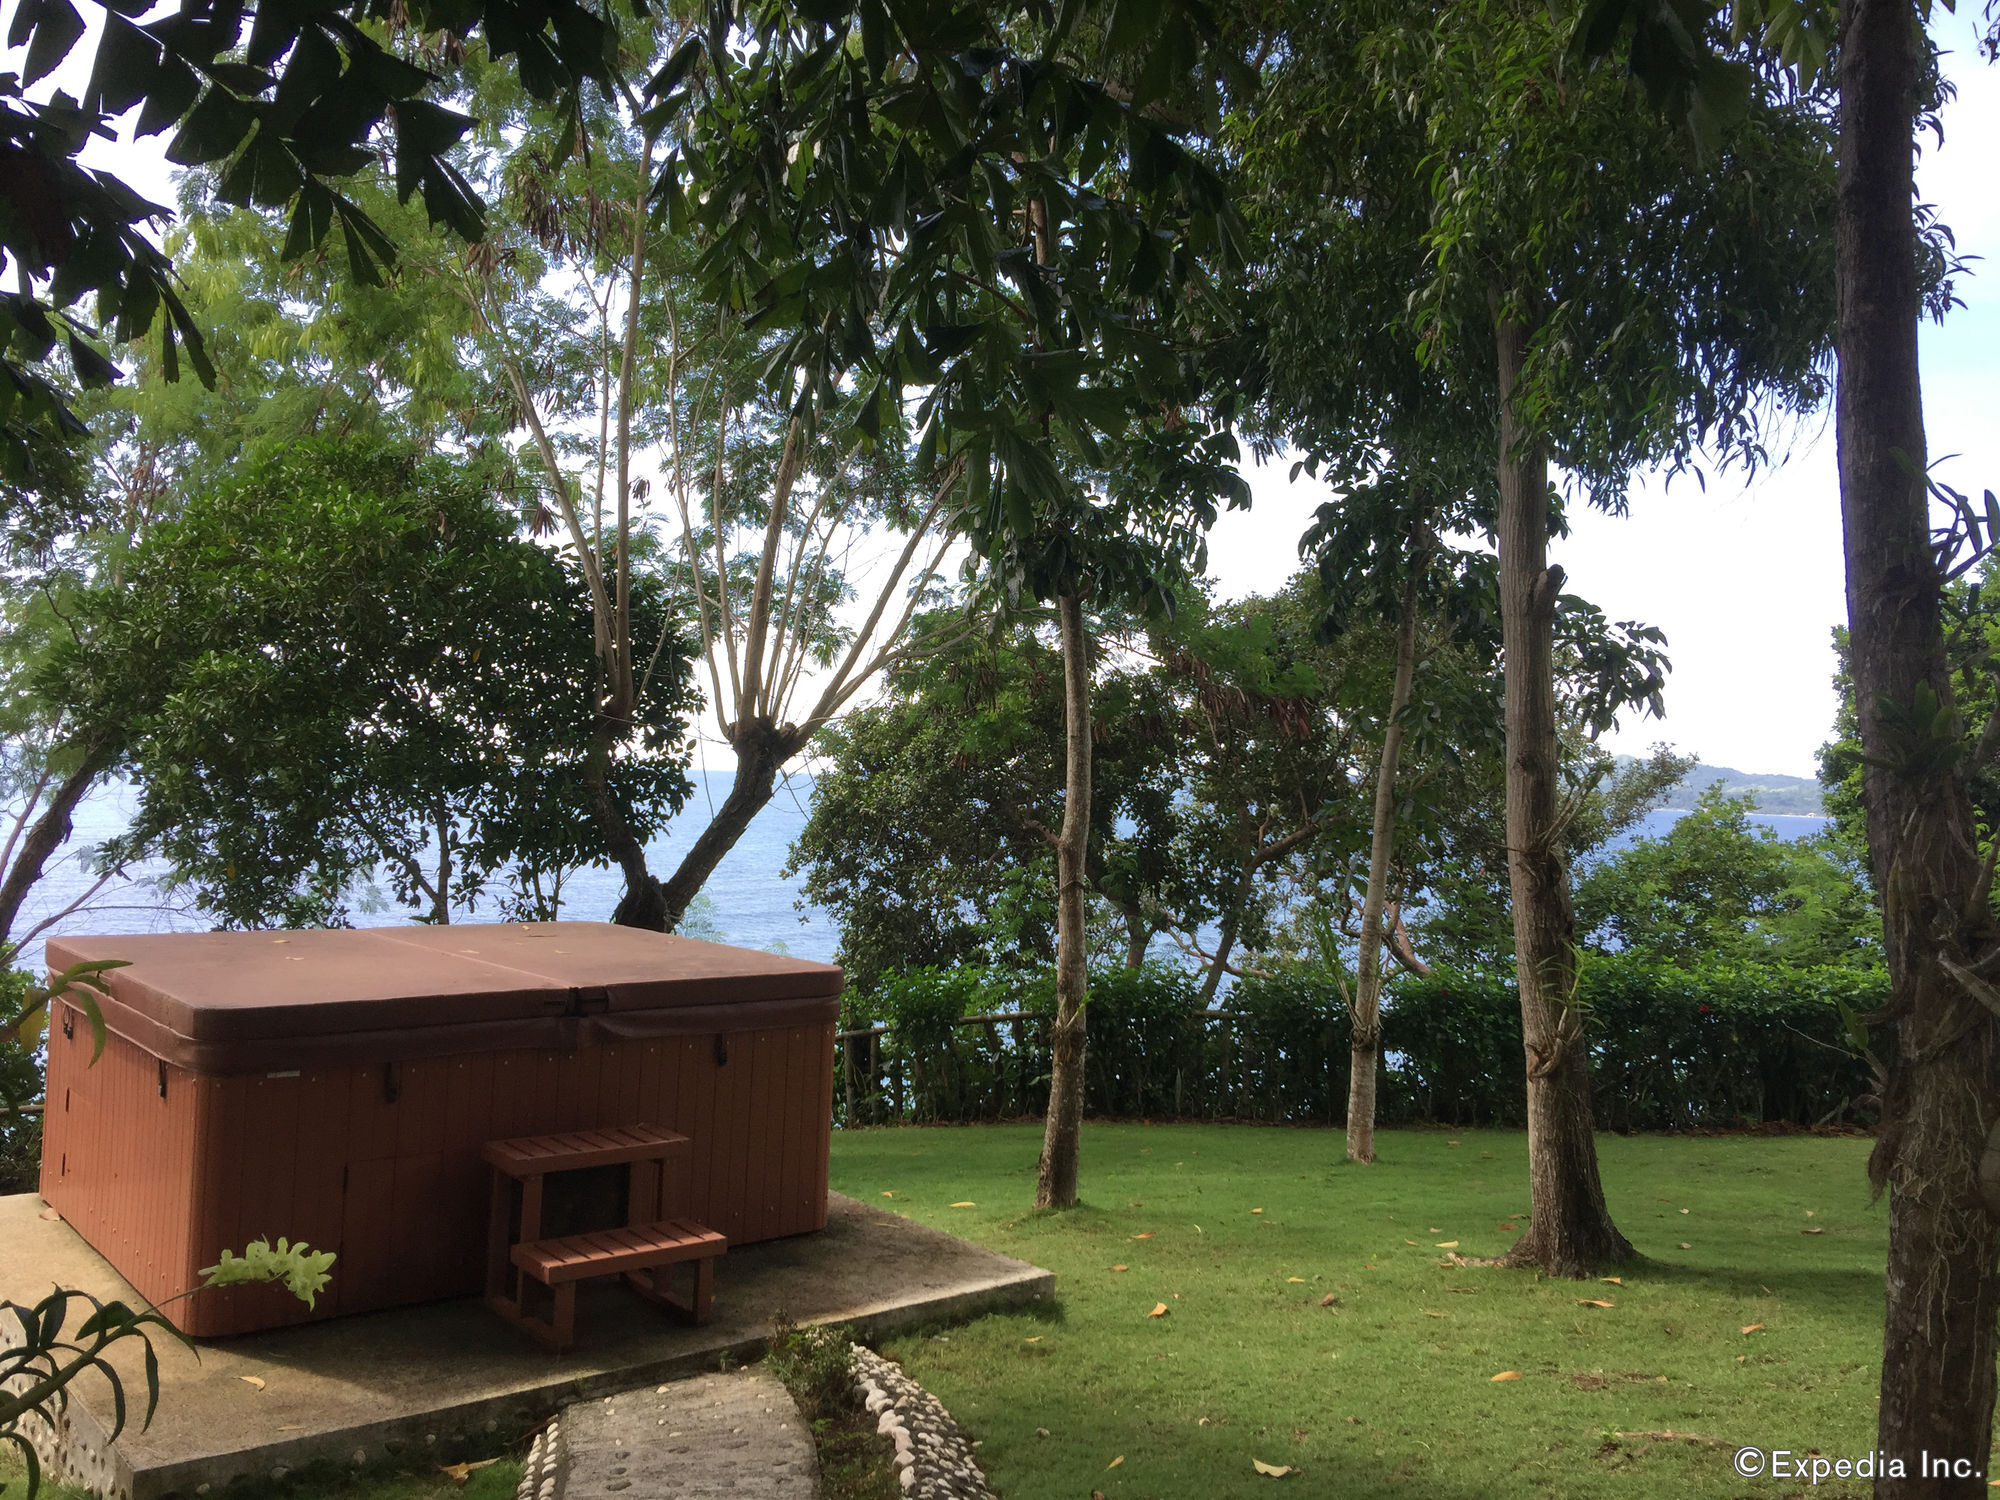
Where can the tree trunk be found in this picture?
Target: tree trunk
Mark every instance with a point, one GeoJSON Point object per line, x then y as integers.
{"type": "Point", "coordinates": [1138, 936]}
{"type": "Point", "coordinates": [1571, 1233]}
{"type": "Point", "coordinates": [1943, 1096]}
{"type": "Point", "coordinates": [641, 905]}
{"type": "Point", "coordinates": [441, 896]}
{"type": "Point", "coordinates": [1062, 1136]}
{"type": "Point", "coordinates": [760, 756]}
{"type": "Point", "coordinates": [1219, 964]}
{"type": "Point", "coordinates": [51, 831]}
{"type": "Point", "coordinates": [1367, 1012]}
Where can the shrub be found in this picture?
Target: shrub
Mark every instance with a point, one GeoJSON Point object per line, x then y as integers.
{"type": "Point", "coordinates": [1671, 1048]}
{"type": "Point", "coordinates": [814, 1365]}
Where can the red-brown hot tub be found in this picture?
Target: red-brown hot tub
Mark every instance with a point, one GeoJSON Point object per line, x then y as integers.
{"type": "Point", "coordinates": [336, 1087]}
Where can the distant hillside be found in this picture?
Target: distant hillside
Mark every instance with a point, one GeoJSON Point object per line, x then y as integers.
{"type": "Point", "coordinates": [1774, 793]}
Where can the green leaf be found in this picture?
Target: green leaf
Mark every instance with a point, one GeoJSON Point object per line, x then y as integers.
{"type": "Point", "coordinates": [50, 28]}
{"type": "Point", "coordinates": [126, 67]}
{"type": "Point", "coordinates": [214, 128]}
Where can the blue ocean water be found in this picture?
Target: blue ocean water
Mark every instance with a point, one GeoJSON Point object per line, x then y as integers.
{"type": "Point", "coordinates": [749, 900]}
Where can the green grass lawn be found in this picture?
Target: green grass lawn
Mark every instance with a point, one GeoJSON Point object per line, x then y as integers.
{"type": "Point", "coordinates": [1242, 1231]}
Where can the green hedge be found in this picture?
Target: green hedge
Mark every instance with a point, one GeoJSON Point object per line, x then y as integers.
{"type": "Point", "coordinates": [1671, 1048]}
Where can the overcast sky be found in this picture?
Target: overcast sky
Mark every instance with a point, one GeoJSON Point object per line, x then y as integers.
{"type": "Point", "coordinates": [1746, 580]}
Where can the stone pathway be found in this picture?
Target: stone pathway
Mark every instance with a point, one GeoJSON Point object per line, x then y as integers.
{"type": "Point", "coordinates": [737, 1436]}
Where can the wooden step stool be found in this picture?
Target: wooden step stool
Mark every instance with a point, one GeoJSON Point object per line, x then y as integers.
{"type": "Point", "coordinates": [643, 1251]}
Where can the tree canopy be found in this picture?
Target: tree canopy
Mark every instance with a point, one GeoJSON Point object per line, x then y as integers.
{"type": "Point", "coordinates": [342, 659]}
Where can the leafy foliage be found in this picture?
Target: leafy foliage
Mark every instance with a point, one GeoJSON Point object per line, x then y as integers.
{"type": "Point", "coordinates": [1711, 1046]}
{"type": "Point", "coordinates": [1417, 170]}
{"type": "Point", "coordinates": [287, 99]}
{"type": "Point", "coordinates": [954, 198]}
{"type": "Point", "coordinates": [1224, 756]}
{"type": "Point", "coordinates": [20, 1084]}
{"type": "Point", "coordinates": [928, 832]}
{"type": "Point", "coordinates": [813, 1364]}
{"type": "Point", "coordinates": [1718, 889]}
{"type": "Point", "coordinates": [45, 1356]}
{"type": "Point", "coordinates": [1462, 919]}
{"type": "Point", "coordinates": [302, 1269]}
{"type": "Point", "coordinates": [418, 680]}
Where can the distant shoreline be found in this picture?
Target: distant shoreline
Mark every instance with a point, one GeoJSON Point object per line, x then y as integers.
{"type": "Point", "coordinates": [1811, 817]}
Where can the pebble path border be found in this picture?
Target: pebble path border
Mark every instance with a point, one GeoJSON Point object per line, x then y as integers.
{"type": "Point", "coordinates": [934, 1456]}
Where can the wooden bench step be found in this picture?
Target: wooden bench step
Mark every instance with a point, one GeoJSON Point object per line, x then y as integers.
{"type": "Point", "coordinates": [606, 1252]}
{"type": "Point", "coordinates": [573, 1149]}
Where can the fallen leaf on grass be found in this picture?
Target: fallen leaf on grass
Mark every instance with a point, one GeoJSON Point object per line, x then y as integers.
{"type": "Point", "coordinates": [1752, 1327]}
{"type": "Point", "coordinates": [1451, 1143]}
{"type": "Point", "coordinates": [1809, 1213]}
{"type": "Point", "coordinates": [1591, 1302]}
{"type": "Point", "coordinates": [1428, 1313]}
{"type": "Point", "coordinates": [1614, 1280]}
{"type": "Point", "coordinates": [1812, 1231]}
{"type": "Point", "coordinates": [463, 1472]}
{"type": "Point", "coordinates": [1298, 1279]}
{"type": "Point", "coordinates": [968, 1203]}
{"type": "Point", "coordinates": [888, 1195]}
{"type": "Point", "coordinates": [1035, 1340]}
{"type": "Point", "coordinates": [1436, 1230]}
{"type": "Point", "coordinates": [1447, 1244]}
{"type": "Point", "coordinates": [1116, 1462]}
{"type": "Point", "coordinates": [1276, 1471]}
{"type": "Point", "coordinates": [1121, 1268]}
{"type": "Point", "coordinates": [1409, 1242]}
{"type": "Point", "coordinates": [256, 1380]}
{"type": "Point", "coordinates": [1146, 1236]}
{"type": "Point", "coordinates": [1329, 1300]}
{"type": "Point", "coordinates": [1159, 1310]}
{"type": "Point", "coordinates": [1686, 1246]}
{"type": "Point", "coordinates": [1508, 1375]}
{"type": "Point", "coordinates": [1683, 1210]}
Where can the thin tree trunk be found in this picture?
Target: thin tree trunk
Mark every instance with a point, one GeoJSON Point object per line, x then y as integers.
{"type": "Point", "coordinates": [1138, 937]}
{"type": "Point", "coordinates": [441, 897]}
{"type": "Point", "coordinates": [1219, 964]}
{"type": "Point", "coordinates": [759, 759]}
{"type": "Point", "coordinates": [1367, 1010]}
{"type": "Point", "coordinates": [1571, 1233]}
{"type": "Point", "coordinates": [641, 905]}
{"type": "Point", "coordinates": [49, 833]}
{"type": "Point", "coordinates": [1062, 1136]}
{"type": "Point", "coordinates": [1943, 1096]}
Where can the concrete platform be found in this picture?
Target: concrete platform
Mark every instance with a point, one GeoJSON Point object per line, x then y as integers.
{"type": "Point", "coordinates": [410, 1383]}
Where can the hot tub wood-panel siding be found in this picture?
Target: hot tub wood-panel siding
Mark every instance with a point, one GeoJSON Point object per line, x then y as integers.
{"type": "Point", "coordinates": [117, 1155]}
{"type": "Point", "coordinates": [324, 1157]}
{"type": "Point", "coordinates": [380, 1161]}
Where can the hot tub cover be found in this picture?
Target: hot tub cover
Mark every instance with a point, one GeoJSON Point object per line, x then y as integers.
{"type": "Point", "coordinates": [227, 1002]}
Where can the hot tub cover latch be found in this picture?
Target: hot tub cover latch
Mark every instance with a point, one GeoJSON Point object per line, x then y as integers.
{"type": "Point", "coordinates": [589, 1002]}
